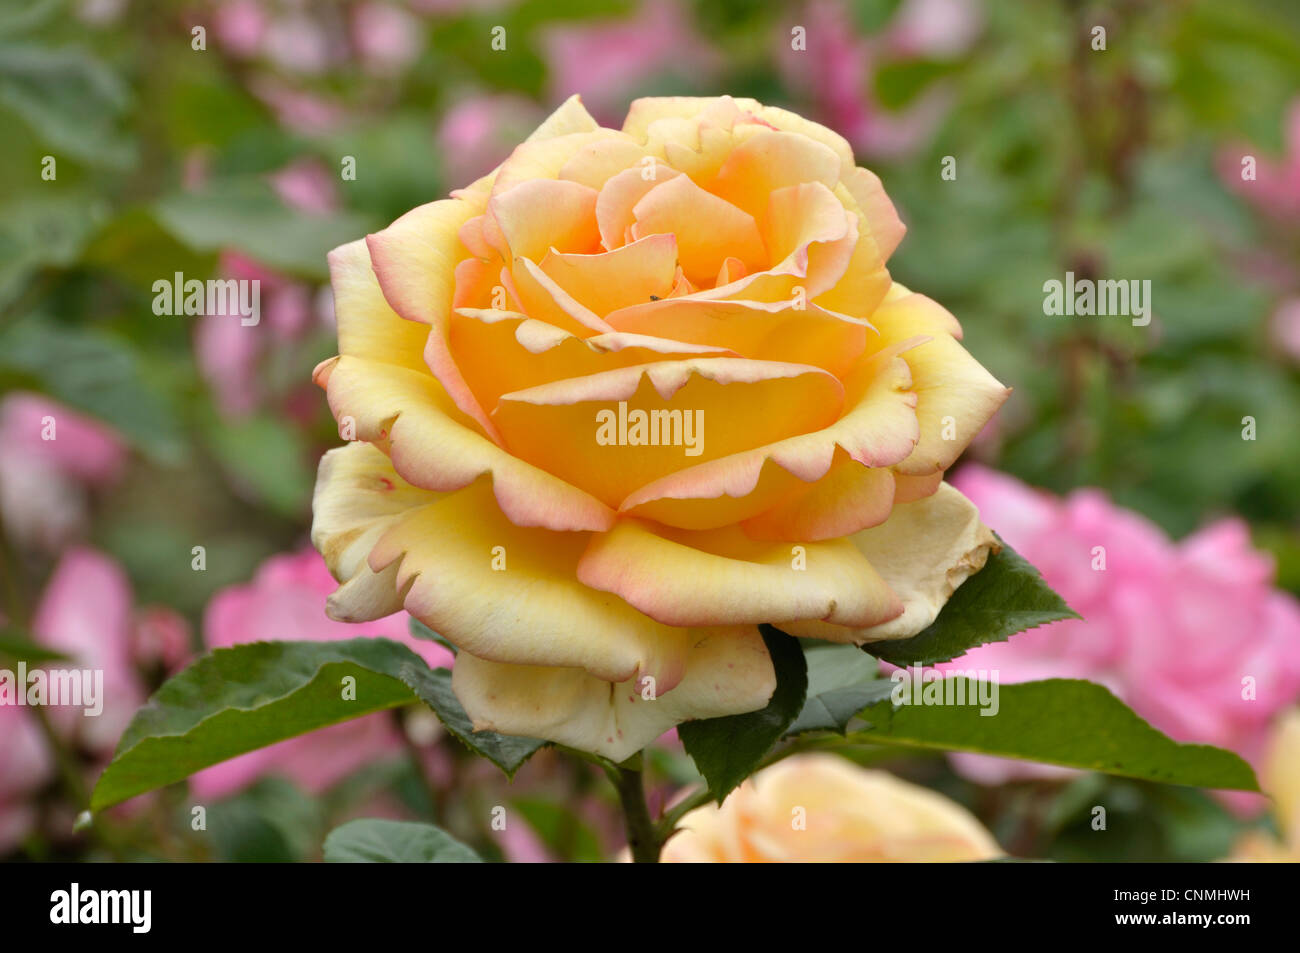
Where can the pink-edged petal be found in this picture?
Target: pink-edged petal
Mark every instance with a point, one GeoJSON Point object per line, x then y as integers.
{"type": "Point", "coordinates": [924, 551]}
{"type": "Point", "coordinates": [434, 446]}
{"type": "Point", "coordinates": [698, 408]}
{"type": "Point", "coordinates": [359, 496]}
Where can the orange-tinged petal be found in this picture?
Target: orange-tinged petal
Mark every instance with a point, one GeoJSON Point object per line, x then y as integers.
{"type": "Point", "coordinates": [433, 446]}
{"type": "Point", "coordinates": [878, 430]}
{"type": "Point", "coordinates": [503, 351]}
{"type": "Point", "coordinates": [849, 498]}
{"type": "Point", "coordinates": [599, 432]}
{"type": "Point", "coordinates": [537, 295]}
{"type": "Point", "coordinates": [769, 161]}
{"type": "Point", "coordinates": [884, 225]}
{"type": "Point", "coordinates": [709, 230]}
{"type": "Point", "coordinates": [542, 214]}
{"type": "Point", "coordinates": [774, 332]}
{"type": "Point", "coordinates": [956, 396]}
{"type": "Point", "coordinates": [619, 196]}
{"type": "Point", "coordinates": [642, 270]}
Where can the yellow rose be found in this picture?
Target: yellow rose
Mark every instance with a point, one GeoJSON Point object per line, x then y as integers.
{"type": "Point", "coordinates": [820, 808]}
{"type": "Point", "coordinates": [632, 394]}
{"type": "Point", "coordinates": [1280, 779]}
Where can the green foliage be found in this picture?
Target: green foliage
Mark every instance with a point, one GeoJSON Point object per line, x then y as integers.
{"type": "Point", "coordinates": [1005, 597]}
{"type": "Point", "coordinates": [1068, 722]}
{"type": "Point", "coordinates": [727, 750]}
{"type": "Point", "coordinates": [433, 686]}
{"type": "Point", "coordinates": [378, 841]}
{"type": "Point", "coordinates": [249, 696]}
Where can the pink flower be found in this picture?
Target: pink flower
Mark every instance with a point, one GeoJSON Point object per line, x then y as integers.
{"type": "Point", "coordinates": [286, 601]}
{"type": "Point", "coordinates": [608, 61]}
{"type": "Point", "coordinates": [935, 29]}
{"type": "Point", "coordinates": [1285, 328]}
{"type": "Point", "coordinates": [1275, 190]}
{"type": "Point", "coordinates": [1191, 635]}
{"type": "Point", "coordinates": [386, 37]}
{"type": "Point", "coordinates": [231, 355]}
{"type": "Point", "coordinates": [479, 132]}
{"type": "Point", "coordinates": [25, 767]}
{"type": "Point", "coordinates": [836, 70]}
{"type": "Point", "coordinates": [87, 613]}
{"type": "Point", "coordinates": [240, 26]}
{"type": "Point", "coordinates": [306, 185]}
{"type": "Point", "coordinates": [53, 458]}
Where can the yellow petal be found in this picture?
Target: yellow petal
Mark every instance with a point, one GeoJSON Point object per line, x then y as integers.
{"type": "Point", "coordinates": [924, 551]}
{"type": "Point", "coordinates": [359, 496]}
{"type": "Point", "coordinates": [709, 230]}
{"type": "Point", "coordinates": [433, 446]}
{"type": "Point", "coordinates": [956, 396]}
{"type": "Point", "coordinates": [727, 672]}
{"type": "Point", "coordinates": [368, 327]}
{"type": "Point", "coordinates": [722, 577]}
{"type": "Point", "coordinates": [510, 594]}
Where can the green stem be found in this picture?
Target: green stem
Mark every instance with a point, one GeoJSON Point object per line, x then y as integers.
{"type": "Point", "coordinates": [644, 838]}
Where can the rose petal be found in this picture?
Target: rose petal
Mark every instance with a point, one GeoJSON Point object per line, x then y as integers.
{"type": "Point", "coordinates": [728, 403]}
{"type": "Point", "coordinates": [722, 577]}
{"type": "Point", "coordinates": [924, 551]}
{"type": "Point", "coordinates": [510, 594]}
{"type": "Point", "coordinates": [727, 672]}
{"type": "Point", "coordinates": [433, 446]}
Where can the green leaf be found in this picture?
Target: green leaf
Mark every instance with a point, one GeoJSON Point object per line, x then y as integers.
{"type": "Point", "coordinates": [1069, 722]}
{"type": "Point", "coordinates": [433, 686]}
{"type": "Point", "coordinates": [377, 841]}
{"type": "Point", "coordinates": [1005, 597]}
{"type": "Point", "coordinates": [247, 215]}
{"type": "Point", "coordinates": [267, 456]}
{"type": "Point", "coordinates": [70, 98]}
{"type": "Point", "coordinates": [841, 682]}
{"type": "Point", "coordinates": [46, 231]}
{"type": "Point", "coordinates": [92, 372]}
{"type": "Point", "coordinates": [18, 647]}
{"type": "Point", "coordinates": [246, 697]}
{"type": "Point", "coordinates": [421, 631]}
{"type": "Point", "coordinates": [561, 828]}
{"type": "Point", "coordinates": [728, 749]}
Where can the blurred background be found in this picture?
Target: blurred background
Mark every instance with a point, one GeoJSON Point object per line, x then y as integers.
{"type": "Point", "coordinates": [135, 146]}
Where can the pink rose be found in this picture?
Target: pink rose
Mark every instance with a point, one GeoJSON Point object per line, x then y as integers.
{"type": "Point", "coordinates": [1174, 629]}
{"type": "Point", "coordinates": [606, 62]}
{"type": "Point", "coordinates": [479, 132]}
{"type": "Point", "coordinates": [286, 601]}
{"type": "Point", "coordinates": [53, 458]}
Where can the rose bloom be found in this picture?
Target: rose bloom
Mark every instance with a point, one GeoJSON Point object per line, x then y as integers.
{"type": "Point", "coordinates": [1280, 777]}
{"type": "Point", "coordinates": [519, 366]}
{"type": "Point", "coordinates": [1173, 628]}
{"type": "Point", "coordinates": [820, 808]}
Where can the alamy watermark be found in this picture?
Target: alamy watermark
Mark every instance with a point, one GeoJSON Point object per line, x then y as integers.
{"type": "Point", "coordinates": [1084, 296]}
{"type": "Point", "coordinates": [651, 428]}
{"type": "Point", "coordinates": [216, 296]}
{"type": "Point", "coordinates": [926, 686]}
{"type": "Point", "coordinates": [55, 688]}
